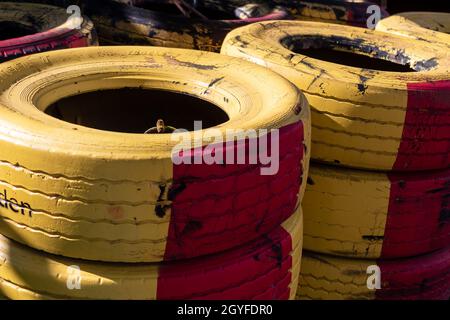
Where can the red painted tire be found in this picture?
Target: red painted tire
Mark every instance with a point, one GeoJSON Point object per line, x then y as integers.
{"type": "Point", "coordinates": [347, 12]}
{"type": "Point", "coordinates": [121, 24]}
{"type": "Point", "coordinates": [365, 214]}
{"type": "Point", "coordinates": [40, 28]}
{"type": "Point", "coordinates": [420, 278]}
{"type": "Point", "coordinates": [265, 269]}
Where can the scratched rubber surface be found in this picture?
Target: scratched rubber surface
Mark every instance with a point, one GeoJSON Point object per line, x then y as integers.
{"type": "Point", "coordinates": [425, 277]}
{"type": "Point", "coordinates": [363, 214]}
{"type": "Point", "coordinates": [122, 24]}
{"type": "Point", "coordinates": [266, 268]}
{"type": "Point", "coordinates": [431, 27]}
{"type": "Point", "coordinates": [53, 32]}
{"type": "Point", "coordinates": [121, 198]}
{"type": "Point", "coordinates": [361, 117]}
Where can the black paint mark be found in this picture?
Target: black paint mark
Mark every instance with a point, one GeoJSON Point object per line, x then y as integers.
{"type": "Point", "coordinates": [160, 210]}
{"type": "Point", "coordinates": [176, 190]}
{"type": "Point", "coordinates": [173, 60]}
{"type": "Point", "coordinates": [372, 238]}
{"type": "Point", "coordinates": [162, 190]}
{"type": "Point", "coordinates": [425, 65]}
{"type": "Point", "coordinates": [444, 216]}
{"type": "Point", "coordinates": [437, 190]}
{"type": "Point", "coordinates": [278, 251]}
{"type": "Point", "coordinates": [362, 86]}
{"type": "Point", "coordinates": [191, 227]}
{"type": "Point", "coordinates": [215, 81]}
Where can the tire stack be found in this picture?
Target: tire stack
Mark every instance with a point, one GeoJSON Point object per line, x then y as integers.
{"type": "Point", "coordinates": [95, 214]}
{"type": "Point", "coordinates": [28, 28]}
{"type": "Point", "coordinates": [152, 22]}
{"type": "Point", "coordinates": [377, 201]}
{"type": "Point", "coordinates": [355, 13]}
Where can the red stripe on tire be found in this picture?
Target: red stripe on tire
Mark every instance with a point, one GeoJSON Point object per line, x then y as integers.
{"type": "Point", "coordinates": [425, 140]}
{"type": "Point", "coordinates": [419, 278]}
{"type": "Point", "coordinates": [418, 219]}
{"type": "Point", "coordinates": [259, 270]}
{"type": "Point", "coordinates": [45, 41]}
{"type": "Point", "coordinates": [217, 207]}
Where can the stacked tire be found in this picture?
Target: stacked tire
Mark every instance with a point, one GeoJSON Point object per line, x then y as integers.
{"type": "Point", "coordinates": [151, 22]}
{"type": "Point", "coordinates": [113, 214]}
{"type": "Point", "coordinates": [349, 12]}
{"type": "Point", "coordinates": [376, 203]}
{"type": "Point", "coordinates": [28, 28]}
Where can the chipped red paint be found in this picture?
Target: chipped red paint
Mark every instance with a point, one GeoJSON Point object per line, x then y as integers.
{"type": "Point", "coordinates": [425, 140]}
{"type": "Point", "coordinates": [260, 270]}
{"type": "Point", "coordinates": [418, 219]}
{"type": "Point", "coordinates": [424, 277]}
{"type": "Point", "coordinates": [53, 39]}
{"type": "Point", "coordinates": [217, 207]}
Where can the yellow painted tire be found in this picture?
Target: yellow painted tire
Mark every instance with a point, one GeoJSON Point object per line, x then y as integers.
{"type": "Point", "coordinates": [361, 117]}
{"type": "Point", "coordinates": [432, 27]}
{"type": "Point", "coordinates": [266, 268]}
{"type": "Point", "coordinates": [325, 277]}
{"type": "Point", "coordinates": [100, 195]}
{"type": "Point", "coordinates": [366, 214]}
{"type": "Point", "coordinates": [332, 11]}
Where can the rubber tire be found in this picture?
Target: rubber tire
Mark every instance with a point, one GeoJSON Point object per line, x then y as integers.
{"type": "Point", "coordinates": [330, 278]}
{"type": "Point", "coordinates": [58, 3]}
{"type": "Point", "coordinates": [107, 196]}
{"type": "Point", "coordinates": [432, 27]}
{"type": "Point", "coordinates": [265, 269]}
{"type": "Point", "coordinates": [120, 24]}
{"type": "Point", "coordinates": [362, 118]}
{"type": "Point", "coordinates": [55, 31]}
{"type": "Point", "coordinates": [331, 11]}
{"type": "Point", "coordinates": [362, 214]}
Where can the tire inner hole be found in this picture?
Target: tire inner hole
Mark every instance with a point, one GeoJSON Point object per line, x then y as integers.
{"type": "Point", "coordinates": [342, 51]}
{"type": "Point", "coordinates": [11, 30]}
{"type": "Point", "coordinates": [136, 110]}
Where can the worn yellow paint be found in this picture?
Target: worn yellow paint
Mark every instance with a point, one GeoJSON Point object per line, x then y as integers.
{"type": "Point", "coordinates": [85, 184]}
{"type": "Point", "coordinates": [341, 206]}
{"type": "Point", "coordinates": [294, 226]}
{"type": "Point", "coordinates": [29, 274]}
{"type": "Point", "coordinates": [357, 114]}
{"type": "Point", "coordinates": [330, 278]}
{"type": "Point", "coordinates": [432, 27]}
